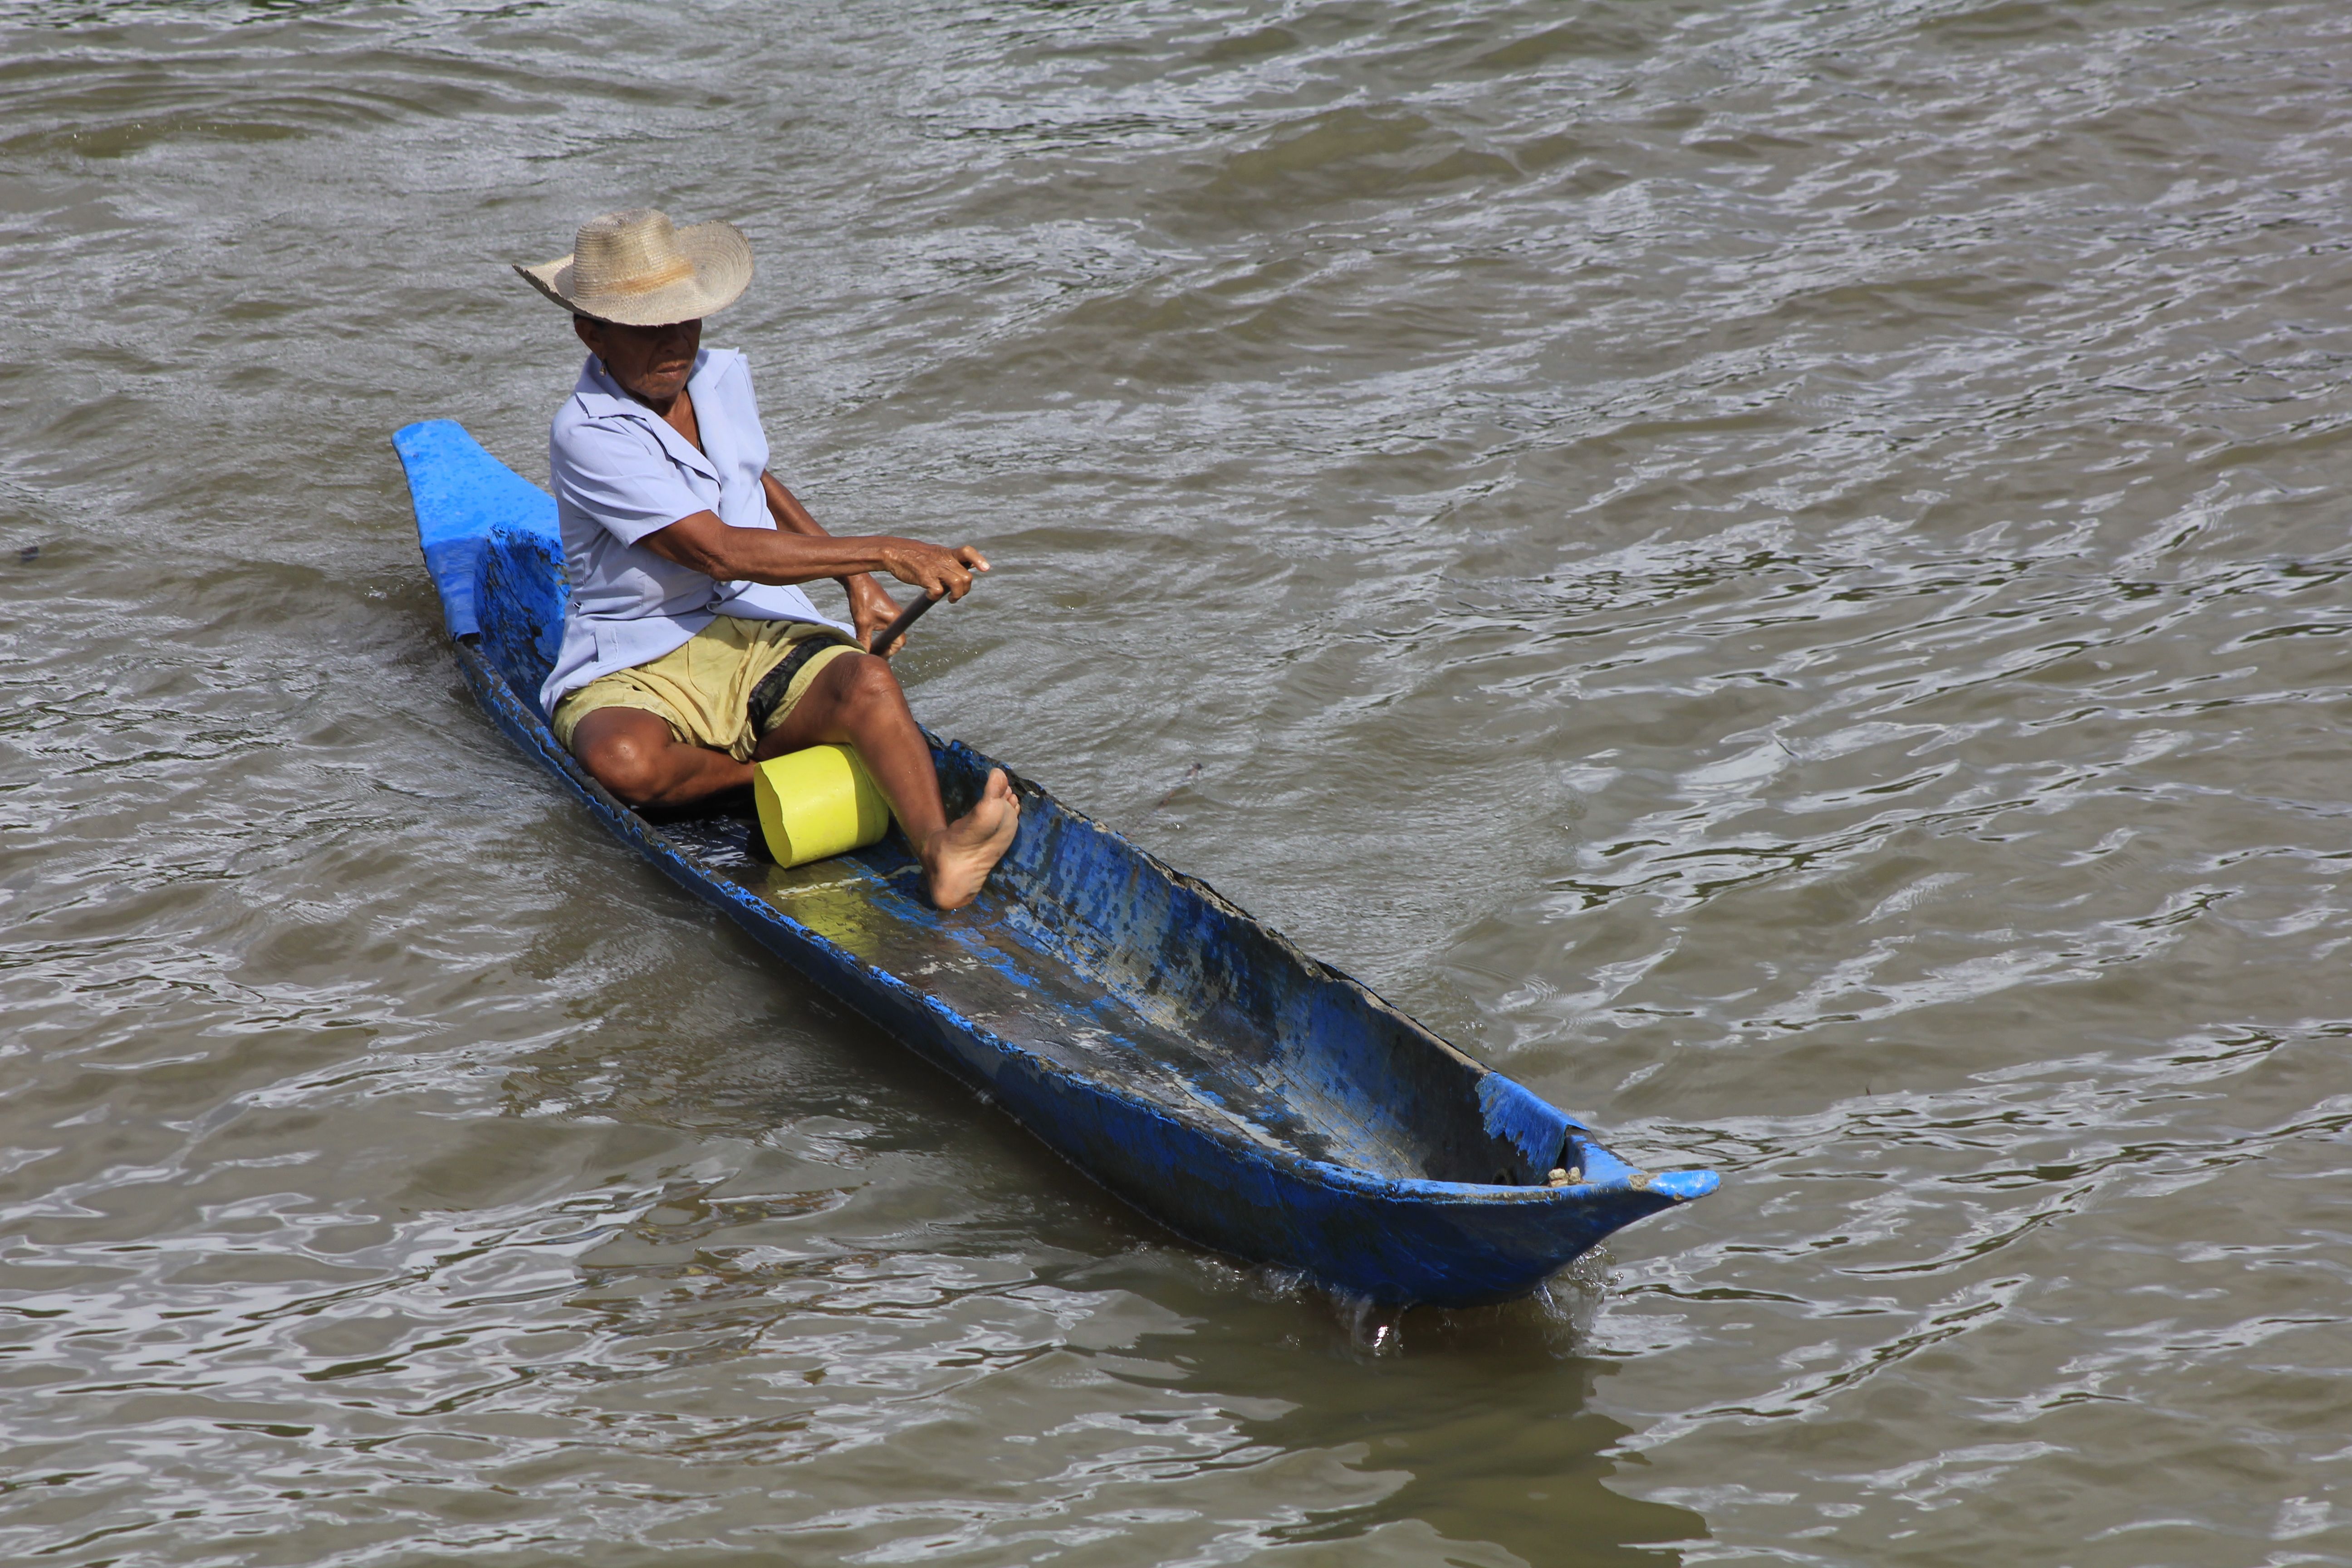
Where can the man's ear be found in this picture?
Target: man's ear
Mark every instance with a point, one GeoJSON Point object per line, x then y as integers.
{"type": "Point", "coordinates": [591, 333]}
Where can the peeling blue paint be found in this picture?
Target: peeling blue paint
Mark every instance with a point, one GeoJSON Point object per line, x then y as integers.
{"type": "Point", "coordinates": [1536, 1128]}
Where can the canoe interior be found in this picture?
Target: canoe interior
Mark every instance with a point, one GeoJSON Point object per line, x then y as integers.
{"type": "Point", "coordinates": [1086, 957]}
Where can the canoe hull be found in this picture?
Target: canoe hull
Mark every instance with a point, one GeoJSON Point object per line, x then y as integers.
{"type": "Point", "coordinates": [1267, 1107]}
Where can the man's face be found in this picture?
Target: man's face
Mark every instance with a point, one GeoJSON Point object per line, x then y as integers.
{"type": "Point", "coordinates": [650, 362]}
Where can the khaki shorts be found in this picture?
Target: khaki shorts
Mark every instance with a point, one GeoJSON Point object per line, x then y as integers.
{"type": "Point", "coordinates": [703, 686]}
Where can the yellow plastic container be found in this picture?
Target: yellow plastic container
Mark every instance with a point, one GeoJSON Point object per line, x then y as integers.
{"type": "Point", "coordinates": [817, 803]}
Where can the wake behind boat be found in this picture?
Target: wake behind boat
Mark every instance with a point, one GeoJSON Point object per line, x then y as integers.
{"type": "Point", "coordinates": [1190, 1059]}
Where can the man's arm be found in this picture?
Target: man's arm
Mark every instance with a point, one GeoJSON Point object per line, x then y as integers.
{"type": "Point", "coordinates": [703, 544]}
{"type": "Point", "coordinates": [870, 609]}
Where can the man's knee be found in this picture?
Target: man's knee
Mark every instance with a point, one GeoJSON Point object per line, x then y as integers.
{"type": "Point", "coordinates": [864, 685]}
{"type": "Point", "coordinates": [628, 766]}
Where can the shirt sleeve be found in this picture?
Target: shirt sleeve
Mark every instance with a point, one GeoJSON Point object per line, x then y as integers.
{"type": "Point", "coordinates": [614, 471]}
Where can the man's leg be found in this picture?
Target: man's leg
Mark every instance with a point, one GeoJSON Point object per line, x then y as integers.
{"type": "Point", "coordinates": [854, 701]}
{"type": "Point", "coordinates": [637, 756]}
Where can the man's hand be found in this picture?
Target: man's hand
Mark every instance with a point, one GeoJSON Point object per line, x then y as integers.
{"type": "Point", "coordinates": [870, 609]}
{"type": "Point", "coordinates": [934, 568]}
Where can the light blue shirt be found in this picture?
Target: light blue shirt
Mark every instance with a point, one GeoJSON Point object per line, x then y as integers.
{"type": "Point", "coordinates": [620, 473]}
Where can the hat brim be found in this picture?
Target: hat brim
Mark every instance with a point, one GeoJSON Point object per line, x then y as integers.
{"type": "Point", "coordinates": [722, 259]}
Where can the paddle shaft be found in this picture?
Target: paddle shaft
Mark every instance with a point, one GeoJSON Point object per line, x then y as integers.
{"type": "Point", "coordinates": [897, 628]}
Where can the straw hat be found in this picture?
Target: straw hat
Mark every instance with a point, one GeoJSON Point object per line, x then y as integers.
{"type": "Point", "coordinates": [633, 268]}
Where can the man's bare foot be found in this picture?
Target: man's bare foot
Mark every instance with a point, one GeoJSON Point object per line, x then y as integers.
{"type": "Point", "coordinates": [959, 857]}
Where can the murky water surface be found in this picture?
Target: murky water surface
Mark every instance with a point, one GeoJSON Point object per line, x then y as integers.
{"type": "Point", "coordinates": [1779, 570]}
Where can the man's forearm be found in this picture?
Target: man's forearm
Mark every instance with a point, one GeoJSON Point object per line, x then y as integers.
{"type": "Point", "coordinates": [706, 545]}
{"type": "Point", "coordinates": [762, 556]}
{"type": "Point", "coordinates": [793, 517]}
{"type": "Point", "coordinates": [786, 508]}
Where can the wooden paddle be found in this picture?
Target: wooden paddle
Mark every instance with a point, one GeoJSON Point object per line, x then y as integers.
{"type": "Point", "coordinates": [897, 628]}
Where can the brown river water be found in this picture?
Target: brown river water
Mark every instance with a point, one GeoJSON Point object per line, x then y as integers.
{"type": "Point", "coordinates": [1779, 571]}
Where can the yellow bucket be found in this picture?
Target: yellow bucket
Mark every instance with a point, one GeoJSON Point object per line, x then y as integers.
{"type": "Point", "coordinates": [818, 803]}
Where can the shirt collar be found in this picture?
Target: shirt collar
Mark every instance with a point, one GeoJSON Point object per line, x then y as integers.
{"type": "Point", "coordinates": [601, 397]}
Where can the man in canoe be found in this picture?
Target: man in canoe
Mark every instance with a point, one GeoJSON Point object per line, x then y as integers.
{"type": "Point", "coordinates": [689, 652]}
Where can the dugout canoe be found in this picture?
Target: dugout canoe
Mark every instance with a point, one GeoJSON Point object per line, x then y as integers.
{"type": "Point", "coordinates": [1185, 1056]}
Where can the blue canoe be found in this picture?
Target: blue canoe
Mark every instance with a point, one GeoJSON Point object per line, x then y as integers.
{"type": "Point", "coordinates": [1175, 1050]}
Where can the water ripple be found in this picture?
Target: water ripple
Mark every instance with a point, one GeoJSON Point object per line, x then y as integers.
{"type": "Point", "coordinates": [1777, 571]}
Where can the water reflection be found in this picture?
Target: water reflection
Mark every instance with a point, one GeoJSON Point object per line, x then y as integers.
{"type": "Point", "coordinates": [1482, 1430]}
